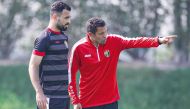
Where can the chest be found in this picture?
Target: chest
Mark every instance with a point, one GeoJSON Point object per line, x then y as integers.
{"type": "Point", "coordinates": [58, 42]}
{"type": "Point", "coordinates": [57, 48]}
{"type": "Point", "coordinates": [96, 55]}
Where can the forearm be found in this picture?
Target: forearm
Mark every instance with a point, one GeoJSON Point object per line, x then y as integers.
{"type": "Point", "coordinates": [34, 77]}
{"type": "Point", "coordinates": [73, 92]}
{"type": "Point", "coordinates": [72, 88]}
{"type": "Point", "coordinates": [141, 42]}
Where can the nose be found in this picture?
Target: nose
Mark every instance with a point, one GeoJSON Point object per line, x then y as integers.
{"type": "Point", "coordinates": [69, 21]}
{"type": "Point", "coordinates": [105, 35]}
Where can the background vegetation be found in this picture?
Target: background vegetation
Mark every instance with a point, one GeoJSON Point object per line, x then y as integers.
{"type": "Point", "coordinates": [143, 88]}
{"type": "Point", "coordinates": [23, 20]}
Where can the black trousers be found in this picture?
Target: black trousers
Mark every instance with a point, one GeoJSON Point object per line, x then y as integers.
{"type": "Point", "coordinates": [58, 103]}
{"type": "Point", "coordinates": [113, 105]}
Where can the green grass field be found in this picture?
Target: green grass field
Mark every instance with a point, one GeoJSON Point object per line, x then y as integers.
{"type": "Point", "coordinates": [139, 89]}
{"type": "Point", "coordinates": [16, 89]}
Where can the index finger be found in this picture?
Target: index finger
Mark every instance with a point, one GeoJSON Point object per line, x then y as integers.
{"type": "Point", "coordinates": [171, 36]}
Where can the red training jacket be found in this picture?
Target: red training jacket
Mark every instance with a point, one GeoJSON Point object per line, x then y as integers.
{"type": "Point", "coordinates": [98, 67]}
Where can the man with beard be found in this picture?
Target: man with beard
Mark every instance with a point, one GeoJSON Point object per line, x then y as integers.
{"type": "Point", "coordinates": [48, 67]}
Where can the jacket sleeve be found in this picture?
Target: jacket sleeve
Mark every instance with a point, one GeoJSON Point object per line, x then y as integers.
{"type": "Point", "coordinates": [139, 42]}
{"type": "Point", "coordinates": [73, 68]}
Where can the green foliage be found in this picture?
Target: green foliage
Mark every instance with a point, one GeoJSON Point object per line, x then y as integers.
{"type": "Point", "coordinates": [139, 88]}
{"type": "Point", "coordinates": [10, 100]}
{"type": "Point", "coordinates": [16, 89]}
{"type": "Point", "coordinates": [154, 89]}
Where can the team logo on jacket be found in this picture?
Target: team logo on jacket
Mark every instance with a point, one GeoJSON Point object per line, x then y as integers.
{"type": "Point", "coordinates": [107, 53]}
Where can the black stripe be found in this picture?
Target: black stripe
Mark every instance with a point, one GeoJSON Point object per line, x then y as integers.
{"type": "Point", "coordinates": [63, 49]}
{"type": "Point", "coordinates": [55, 62]}
{"type": "Point", "coordinates": [55, 92]}
{"type": "Point", "coordinates": [57, 52]}
{"type": "Point", "coordinates": [54, 83]}
{"type": "Point", "coordinates": [56, 72]}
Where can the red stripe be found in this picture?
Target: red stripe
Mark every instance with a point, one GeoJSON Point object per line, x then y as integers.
{"type": "Point", "coordinates": [55, 32]}
{"type": "Point", "coordinates": [36, 52]}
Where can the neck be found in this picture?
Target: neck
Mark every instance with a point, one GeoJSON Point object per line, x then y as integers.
{"type": "Point", "coordinates": [93, 41]}
{"type": "Point", "coordinates": [53, 27]}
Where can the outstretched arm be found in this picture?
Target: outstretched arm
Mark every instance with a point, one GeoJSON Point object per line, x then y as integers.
{"type": "Point", "coordinates": [141, 42]}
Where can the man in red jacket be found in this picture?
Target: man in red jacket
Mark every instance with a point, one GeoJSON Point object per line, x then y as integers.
{"type": "Point", "coordinates": [96, 57]}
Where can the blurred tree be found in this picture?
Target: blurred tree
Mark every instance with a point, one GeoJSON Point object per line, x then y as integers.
{"type": "Point", "coordinates": [181, 28]}
{"type": "Point", "coordinates": [129, 18]}
{"type": "Point", "coordinates": [187, 31]}
{"type": "Point", "coordinates": [188, 27]}
{"type": "Point", "coordinates": [140, 18]}
{"type": "Point", "coordinates": [14, 17]}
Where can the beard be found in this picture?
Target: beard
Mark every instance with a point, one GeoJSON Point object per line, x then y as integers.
{"type": "Point", "coordinates": [60, 26]}
{"type": "Point", "coordinates": [103, 41]}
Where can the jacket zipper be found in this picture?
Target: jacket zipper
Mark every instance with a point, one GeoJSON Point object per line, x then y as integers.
{"type": "Point", "coordinates": [98, 54]}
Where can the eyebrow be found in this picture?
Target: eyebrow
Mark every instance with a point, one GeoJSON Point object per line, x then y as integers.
{"type": "Point", "coordinates": [67, 17]}
{"type": "Point", "coordinates": [101, 32]}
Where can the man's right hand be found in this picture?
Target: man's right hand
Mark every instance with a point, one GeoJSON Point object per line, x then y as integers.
{"type": "Point", "coordinates": [77, 106]}
{"type": "Point", "coordinates": [41, 100]}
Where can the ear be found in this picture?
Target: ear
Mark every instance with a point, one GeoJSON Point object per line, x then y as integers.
{"type": "Point", "coordinates": [90, 34]}
{"type": "Point", "coordinates": [54, 16]}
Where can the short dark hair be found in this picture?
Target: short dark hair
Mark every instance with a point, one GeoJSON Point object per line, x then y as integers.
{"type": "Point", "coordinates": [59, 6]}
{"type": "Point", "coordinates": [93, 23]}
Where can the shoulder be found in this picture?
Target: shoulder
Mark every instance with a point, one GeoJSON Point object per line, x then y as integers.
{"type": "Point", "coordinates": [114, 36]}
{"type": "Point", "coordinates": [42, 39]}
{"type": "Point", "coordinates": [80, 42]}
{"type": "Point", "coordinates": [43, 35]}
